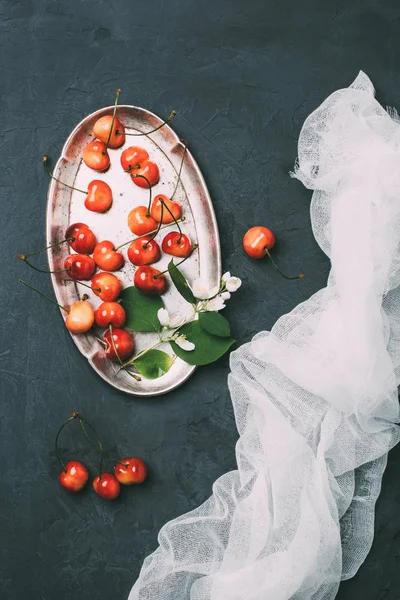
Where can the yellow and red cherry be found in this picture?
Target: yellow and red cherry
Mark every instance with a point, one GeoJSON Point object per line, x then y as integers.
{"type": "Point", "coordinates": [140, 221]}
{"type": "Point", "coordinates": [80, 317]}
{"type": "Point", "coordinates": [106, 286]}
{"type": "Point", "coordinates": [80, 266]}
{"type": "Point", "coordinates": [161, 214]}
{"type": "Point", "coordinates": [133, 157]}
{"type": "Point", "coordinates": [146, 175]}
{"type": "Point", "coordinates": [95, 156]}
{"type": "Point", "coordinates": [150, 281]}
{"type": "Point", "coordinates": [110, 313]}
{"type": "Point", "coordinates": [74, 477]}
{"type": "Point", "coordinates": [81, 238]}
{"type": "Point", "coordinates": [257, 241]}
{"type": "Point", "coordinates": [107, 486]}
{"type": "Point", "coordinates": [107, 257]}
{"type": "Point", "coordinates": [130, 470]}
{"type": "Point", "coordinates": [102, 129]}
{"type": "Point", "coordinates": [143, 251]}
{"type": "Point", "coordinates": [99, 198]}
{"type": "Point", "coordinates": [122, 342]}
{"type": "Point", "coordinates": [177, 244]}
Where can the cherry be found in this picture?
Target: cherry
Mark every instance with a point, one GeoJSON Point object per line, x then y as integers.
{"type": "Point", "coordinates": [150, 281]}
{"type": "Point", "coordinates": [145, 175]}
{"type": "Point", "coordinates": [130, 470]}
{"type": "Point", "coordinates": [104, 126]}
{"type": "Point", "coordinates": [107, 486]}
{"type": "Point", "coordinates": [106, 286]}
{"type": "Point", "coordinates": [81, 238]}
{"type": "Point", "coordinates": [143, 251]}
{"type": "Point", "coordinates": [171, 212]}
{"type": "Point", "coordinates": [95, 156]}
{"type": "Point", "coordinates": [122, 342]}
{"type": "Point", "coordinates": [106, 256]}
{"type": "Point", "coordinates": [140, 222]}
{"type": "Point", "coordinates": [110, 313]}
{"type": "Point", "coordinates": [80, 317]}
{"type": "Point", "coordinates": [99, 198]}
{"type": "Point", "coordinates": [74, 477]}
{"type": "Point", "coordinates": [177, 244]}
{"type": "Point", "coordinates": [257, 241]}
{"type": "Point", "coordinates": [79, 266]}
{"type": "Point", "coordinates": [133, 157]}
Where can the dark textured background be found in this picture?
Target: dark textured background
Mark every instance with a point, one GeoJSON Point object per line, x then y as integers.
{"type": "Point", "coordinates": [243, 76]}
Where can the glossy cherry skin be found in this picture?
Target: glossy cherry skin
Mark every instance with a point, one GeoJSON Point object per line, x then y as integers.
{"type": "Point", "coordinates": [176, 244]}
{"type": "Point", "coordinates": [102, 128]}
{"type": "Point", "coordinates": [110, 313]}
{"type": "Point", "coordinates": [160, 214]}
{"type": "Point", "coordinates": [133, 157]}
{"type": "Point", "coordinates": [106, 286]}
{"type": "Point", "coordinates": [74, 477]}
{"type": "Point", "coordinates": [95, 156]}
{"type": "Point", "coordinates": [99, 198]}
{"type": "Point", "coordinates": [79, 266]}
{"type": "Point", "coordinates": [140, 221]}
{"type": "Point", "coordinates": [256, 240]}
{"type": "Point", "coordinates": [83, 239]}
{"type": "Point", "coordinates": [149, 170]}
{"type": "Point", "coordinates": [107, 257]}
{"type": "Point", "coordinates": [150, 281]}
{"type": "Point", "coordinates": [123, 343]}
{"type": "Point", "coordinates": [133, 470]}
{"type": "Point", "coordinates": [107, 486]}
{"type": "Point", "coordinates": [80, 317]}
{"type": "Point", "coordinates": [143, 251]}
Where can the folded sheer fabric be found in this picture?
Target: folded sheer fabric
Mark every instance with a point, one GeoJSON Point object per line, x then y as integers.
{"type": "Point", "coordinates": [315, 399]}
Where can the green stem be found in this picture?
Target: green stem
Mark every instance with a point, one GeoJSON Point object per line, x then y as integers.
{"type": "Point", "coordinates": [300, 276]}
{"type": "Point", "coordinates": [23, 257]}
{"type": "Point", "coordinates": [133, 375]}
{"type": "Point", "coordinates": [113, 118]}
{"type": "Point", "coordinates": [84, 284]}
{"type": "Point", "coordinates": [71, 239]}
{"type": "Point", "coordinates": [44, 295]}
{"type": "Point", "coordinates": [142, 353]}
{"type": "Point", "coordinates": [175, 221]}
{"type": "Point", "coordinates": [71, 187]}
{"type": "Point", "coordinates": [74, 416]}
{"type": "Point", "coordinates": [170, 118]}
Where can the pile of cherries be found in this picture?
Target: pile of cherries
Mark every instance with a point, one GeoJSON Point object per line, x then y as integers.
{"type": "Point", "coordinates": [74, 474]}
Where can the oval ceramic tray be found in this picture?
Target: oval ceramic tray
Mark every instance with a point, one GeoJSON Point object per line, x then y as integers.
{"type": "Point", "coordinates": [65, 206]}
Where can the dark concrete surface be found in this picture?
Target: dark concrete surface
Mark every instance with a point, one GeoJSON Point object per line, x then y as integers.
{"type": "Point", "coordinates": [243, 76]}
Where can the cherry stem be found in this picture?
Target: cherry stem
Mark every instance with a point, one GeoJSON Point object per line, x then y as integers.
{"type": "Point", "coordinates": [136, 176]}
{"type": "Point", "coordinates": [180, 169]}
{"type": "Point", "coordinates": [23, 257]}
{"type": "Point", "coordinates": [170, 118]}
{"type": "Point", "coordinates": [113, 118]}
{"type": "Point", "coordinates": [84, 284]}
{"type": "Point", "coordinates": [44, 295]}
{"type": "Point", "coordinates": [71, 239]}
{"type": "Point", "coordinates": [300, 276]}
{"type": "Point", "coordinates": [136, 377]}
{"type": "Point", "coordinates": [175, 221]}
{"type": "Point", "coordinates": [156, 232]}
{"type": "Point", "coordinates": [74, 416]}
{"type": "Point", "coordinates": [100, 448]}
{"type": "Point", "coordinates": [149, 233]}
{"type": "Point", "coordinates": [194, 247]}
{"type": "Point", "coordinates": [71, 187]}
{"type": "Point", "coordinates": [142, 353]}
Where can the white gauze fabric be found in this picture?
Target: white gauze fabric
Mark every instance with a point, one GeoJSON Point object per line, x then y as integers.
{"type": "Point", "coordinates": [315, 399]}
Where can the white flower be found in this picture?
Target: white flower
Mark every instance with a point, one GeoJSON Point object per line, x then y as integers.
{"type": "Point", "coordinates": [233, 284]}
{"type": "Point", "coordinates": [184, 343]}
{"type": "Point", "coordinates": [202, 291]}
{"type": "Point", "coordinates": [226, 276]}
{"type": "Point", "coordinates": [225, 295]}
{"type": "Point", "coordinates": [166, 320]}
{"type": "Point", "coordinates": [215, 304]}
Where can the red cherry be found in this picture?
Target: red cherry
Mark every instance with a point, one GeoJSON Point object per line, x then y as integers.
{"type": "Point", "coordinates": [256, 240]}
{"type": "Point", "coordinates": [107, 486]}
{"type": "Point", "coordinates": [99, 198]}
{"type": "Point", "coordinates": [106, 286]}
{"type": "Point", "coordinates": [106, 256]}
{"type": "Point", "coordinates": [123, 343]}
{"type": "Point", "coordinates": [74, 477]}
{"type": "Point", "coordinates": [177, 244]}
{"type": "Point", "coordinates": [147, 169]}
{"type": "Point", "coordinates": [95, 156]}
{"type": "Point", "coordinates": [140, 222]}
{"type": "Point", "coordinates": [80, 317]}
{"type": "Point", "coordinates": [133, 157]}
{"type": "Point", "coordinates": [84, 239]}
{"type": "Point", "coordinates": [133, 470]}
{"type": "Point", "coordinates": [150, 281]}
{"type": "Point", "coordinates": [143, 251]}
{"type": "Point", "coordinates": [157, 210]}
{"type": "Point", "coordinates": [102, 128]}
{"type": "Point", "coordinates": [110, 313]}
{"type": "Point", "coordinates": [80, 266]}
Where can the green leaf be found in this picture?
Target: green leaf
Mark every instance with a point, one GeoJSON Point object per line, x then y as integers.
{"type": "Point", "coordinates": [154, 364]}
{"type": "Point", "coordinates": [214, 323]}
{"type": "Point", "coordinates": [141, 311]}
{"type": "Point", "coordinates": [180, 283]}
{"type": "Point", "coordinates": [208, 347]}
